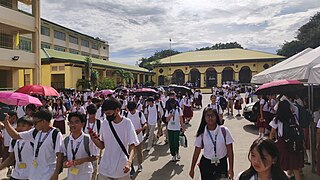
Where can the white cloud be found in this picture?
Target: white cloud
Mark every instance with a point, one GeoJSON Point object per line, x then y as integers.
{"type": "Point", "coordinates": [137, 28]}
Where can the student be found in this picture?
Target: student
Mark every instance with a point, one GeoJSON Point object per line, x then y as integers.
{"type": "Point", "coordinates": [118, 138]}
{"type": "Point", "coordinates": [59, 114]}
{"type": "Point", "coordinates": [264, 113]}
{"type": "Point", "coordinates": [153, 116]}
{"type": "Point", "coordinates": [7, 139]}
{"type": "Point", "coordinates": [89, 101]}
{"type": "Point", "coordinates": [238, 103]}
{"type": "Point", "coordinates": [93, 124]}
{"type": "Point", "coordinates": [30, 110]}
{"type": "Point", "coordinates": [20, 152]}
{"type": "Point", "coordinates": [78, 149]}
{"type": "Point", "coordinates": [175, 123]}
{"type": "Point", "coordinates": [265, 162]}
{"type": "Point", "coordinates": [162, 112]}
{"type": "Point", "coordinates": [139, 122]}
{"type": "Point", "coordinates": [230, 96]}
{"type": "Point", "coordinates": [217, 144]}
{"type": "Point", "coordinates": [78, 108]}
{"type": "Point", "coordinates": [187, 106]}
{"type": "Point", "coordinates": [47, 159]}
{"type": "Point", "coordinates": [215, 105]}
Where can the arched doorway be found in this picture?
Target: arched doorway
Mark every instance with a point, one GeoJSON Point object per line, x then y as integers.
{"type": "Point", "coordinates": [211, 77]}
{"type": "Point", "coordinates": [161, 80]}
{"type": "Point", "coordinates": [227, 74]}
{"type": "Point", "coordinates": [245, 75]}
{"type": "Point", "coordinates": [178, 77]}
{"type": "Point", "coordinates": [195, 77]}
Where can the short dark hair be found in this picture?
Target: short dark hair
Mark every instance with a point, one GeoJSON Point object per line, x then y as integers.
{"type": "Point", "coordinates": [32, 107]}
{"type": "Point", "coordinates": [78, 115]}
{"type": "Point", "coordinates": [150, 99]}
{"type": "Point", "coordinates": [110, 104]}
{"type": "Point", "coordinates": [156, 97]}
{"type": "Point", "coordinates": [92, 109]}
{"type": "Point", "coordinates": [25, 120]}
{"type": "Point", "coordinates": [132, 105]}
{"type": "Point", "coordinates": [43, 114]}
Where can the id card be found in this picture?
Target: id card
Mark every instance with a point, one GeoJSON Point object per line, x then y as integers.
{"type": "Point", "coordinates": [173, 123]}
{"type": "Point", "coordinates": [74, 171]}
{"type": "Point", "coordinates": [34, 164]}
{"type": "Point", "coordinates": [22, 165]}
{"type": "Point", "coordinates": [215, 161]}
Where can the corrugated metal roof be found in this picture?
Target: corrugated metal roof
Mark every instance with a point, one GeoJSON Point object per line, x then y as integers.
{"type": "Point", "coordinates": [50, 53]}
{"type": "Point", "coordinates": [219, 55]}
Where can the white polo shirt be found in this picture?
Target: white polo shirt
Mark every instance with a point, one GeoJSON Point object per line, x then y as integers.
{"type": "Point", "coordinates": [278, 125]}
{"type": "Point", "coordinates": [216, 107]}
{"type": "Point", "coordinates": [26, 158]}
{"type": "Point", "coordinates": [46, 159]}
{"type": "Point", "coordinates": [152, 114]}
{"type": "Point", "coordinates": [264, 105]}
{"type": "Point", "coordinates": [100, 115]}
{"type": "Point", "coordinates": [6, 137]}
{"type": "Point", "coordinates": [114, 159]}
{"type": "Point", "coordinates": [93, 126]}
{"type": "Point", "coordinates": [204, 141]}
{"type": "Point", "coordinates": [174, 123]}
{"type": "Point", "coordinates": [137, 122]}
{"type": "Point", "coordinates": [80, 110]}
{"type": "Point", "coordinates": [85, 169]}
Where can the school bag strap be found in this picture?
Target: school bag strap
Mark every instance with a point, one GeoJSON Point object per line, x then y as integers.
{"type": "Point", "coordinates": [86, 141]}
{"type": "Point", "coordinates": [54, 137]}
{"type": "Point", "coordinates": [98, 125]}
{"type": "Point", "coordinates": [13, 143]}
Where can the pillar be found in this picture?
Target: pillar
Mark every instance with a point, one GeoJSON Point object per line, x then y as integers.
{"type": "Point", "coordinates": [202, 75]}
{"type": "Point", "coordinates": [236, 76]}
{"type": "Point", "coordinates": [36, 42]}
{"type": "Point", "coordinates": [144, 79]}
{"type": "Point", "coordinates": [219, 79]}
{"type": "Point", "coordinates": [138, 79]}
{"type": "Point", "coordinates": [15, 78]}
{"type": "Point", "coordinates": [186, 77]}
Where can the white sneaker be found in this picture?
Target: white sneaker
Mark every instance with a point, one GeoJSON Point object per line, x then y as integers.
{"type": "Point", "coordinates": [139, 168]}
{"type": "Point", "coordinates": [178, 156]}
{"type": "Point", "coordinates": [174, 158]}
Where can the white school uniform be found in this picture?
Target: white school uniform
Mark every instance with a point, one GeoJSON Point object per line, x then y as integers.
{"type": "Point", "coordinates": [279, 126]}
{"type": "Point", "coordinates": [46, 159]}
{"type": "Point", "coordinates": [174, 122]}
{"type": "Point", "coordinates": [26, 158]}
{"type": "Point", "coordinates": [137, 123]}
{"type": "Point", "coordinates": [6, 137]}
{"type": "Point", "coordinates": [152, 114]}
{"type": "Point", "coordinates": [114, 159]}
{"type": "Point", "coordinates": [100, 115]}
{"type": "Point", "coordinates": [85, 169]}
{"type": "Point", "coordinates": [58, 114]}
{"type": "Point", "coordinates": [93, 126]}
{"type": "Point", "coordinates": [217, 107]}
{"type": "Point", "coordinates": [204, 141]}
{"type": "Point", "coordinates": [80, 110]}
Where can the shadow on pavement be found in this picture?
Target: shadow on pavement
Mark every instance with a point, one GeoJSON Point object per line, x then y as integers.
{"type": "Point", "coordinates": [251, 128]}
{"type": "Point", "coordinates": [168, 171]}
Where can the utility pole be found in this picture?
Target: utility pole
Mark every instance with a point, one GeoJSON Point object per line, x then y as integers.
{"type": "Point", "coordinates": [170, 74]}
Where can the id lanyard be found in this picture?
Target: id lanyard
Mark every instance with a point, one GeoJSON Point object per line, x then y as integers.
{"type": "Point", "coordinates": [214, 142]}
{"type": "Point", "coordinates": [41, 142]}
{"type": "Point", "coordinates": [74, 152]}
{"type": "Point", "coordinates": [20, 150]}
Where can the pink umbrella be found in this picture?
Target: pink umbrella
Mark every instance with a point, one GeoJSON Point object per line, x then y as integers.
{"type": "Point", "coordinates": [38, 89]}
{"type": "Point", "coordinates": [18, 99]}
{"type": "Point", "coordinates": [279, 87]}
{"type": "Point", "coordinates": [104, 92]}
{"type": "Point", "coordinates": [146, 90]}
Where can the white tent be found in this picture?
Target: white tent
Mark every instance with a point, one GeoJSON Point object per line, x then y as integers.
{"type": "Point", "coordinates": [314, 77]}
{"type": "Point", "coordinates": [269, 74]}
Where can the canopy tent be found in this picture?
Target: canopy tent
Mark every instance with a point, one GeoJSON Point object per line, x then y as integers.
{"type": "Point", "coordinates": [314, 77]}
{"type": "Point", "coordinates": [269, 74]}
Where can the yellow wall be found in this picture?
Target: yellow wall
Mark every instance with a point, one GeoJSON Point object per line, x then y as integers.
{"type": "Point", "coordinates": [72, 74]}
{"type": "Point", "coordinates": [255, 68]}
{"type": "Point", "coordinates": [46, 75]}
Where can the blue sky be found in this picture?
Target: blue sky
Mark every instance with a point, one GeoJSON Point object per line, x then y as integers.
{"type": "Point", "coordinates": [138, 28]}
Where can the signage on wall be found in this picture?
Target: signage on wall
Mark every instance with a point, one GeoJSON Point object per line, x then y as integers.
{"type": "Point", "coordinates": [211, 65]}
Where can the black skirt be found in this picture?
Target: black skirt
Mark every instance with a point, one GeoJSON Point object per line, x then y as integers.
{"type": "Point", "coordinates": [211, 171]}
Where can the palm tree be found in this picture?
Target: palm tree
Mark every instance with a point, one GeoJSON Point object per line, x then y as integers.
{"type": "Point", "coordinates": [87, 67]}
{"type": "Point", "coordinates": [124, 75]}
{"type": "Point", "coordinates": [94, 79]}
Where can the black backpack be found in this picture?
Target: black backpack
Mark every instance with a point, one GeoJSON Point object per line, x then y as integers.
{"type": "Point", "coordinates": [223, 103]}
{"type": "Point", "coordinates": [292, 135]}
{"type": "Point", "coordinates": [98, 126]}
{"type": "Point", "coordinates": [305, 116]}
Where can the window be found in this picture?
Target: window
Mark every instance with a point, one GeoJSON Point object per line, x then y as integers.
{"type": "Point", "coordinates": [6, 41]}
{"type": "Point", "coordinates": [6, 3]}
{"type": "Point", "coordinates": [59, 48]}
{"type": "Point", "coordinates": [73, 39]}
{"type": "Point", "coordinates": [73, 51]}
{"type": "Point", "coordinates": [105, 59]}
{"type": "Point", "coordinates": [45, 45]}
{"type": "Point", "coordinates": [45, 31]}
{"type": "Point", "coordinates": [59, 35]}
{"type": "Point", "coordinates": [95, 56]}
{"type": "Point", "coordinates": [104, 47]}
{"type": "Point", "coordinates": [26, 79]}
{"type": "Point", "coordinates": [25, 45]}
{"type": "Point", "coordinates": [61, 68]}
{"type": "Point", "coordinates": [95, 46]}
{"type": "Point", "coordinates": [54, 68]}
{"type": "Point", "coordinates": [85, 54]}
{"type": "Point", "coordinates": [84, 43]}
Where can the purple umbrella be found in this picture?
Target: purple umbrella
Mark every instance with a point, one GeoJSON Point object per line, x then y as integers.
{"type": "Point", "coordinates": [18, 99]}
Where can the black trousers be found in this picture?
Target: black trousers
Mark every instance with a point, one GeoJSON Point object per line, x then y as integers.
{"type": "Point", "coordinates": [210, 171]}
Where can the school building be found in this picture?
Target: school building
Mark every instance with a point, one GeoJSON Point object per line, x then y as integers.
{"type": "Point", "coordinates": [62, 52]}
{"type": "Point", "coordinates": [205, 69]}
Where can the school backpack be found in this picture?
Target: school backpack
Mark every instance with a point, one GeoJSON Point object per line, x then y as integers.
{"type": "Point", "coordinates": [305, 116]}
{"type": "Point", "coordinates": [223, 103]}
{"type": "Point", "coordinates": [86, 141]}
{"type": "Point", "coordinates": [125, 114]}
{"type": "Point", "coordinates": [98, 126]}
{"type": "Point", "coordinates": [292, 135]}
{"type": "Point", "coordinates": [54, 136]}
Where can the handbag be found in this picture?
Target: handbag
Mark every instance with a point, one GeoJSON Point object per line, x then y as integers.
{"type": "Point", "coordinates": [183, 140]}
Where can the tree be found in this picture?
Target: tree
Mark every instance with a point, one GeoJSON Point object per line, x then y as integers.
{"type": "Point", "coordinates": [107, 83]}
{"type": "Point", "coordinates": [94, 79]}
{"type": "Point", "coordinates": [308, 36]}
{"type": "Point", "coordinates": [124, 75]}
{"type": "Point", "coordinates": [87, 67]}
{"type": "Point", "coordinates": [229, 45]}
{"type": "Point", "coordinates": [150, 62]}
{"type": "Point", "coordinates": [83, 83]}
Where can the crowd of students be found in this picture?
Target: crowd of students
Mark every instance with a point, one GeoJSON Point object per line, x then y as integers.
{"type": "Point", "coordinates": [106, 133]}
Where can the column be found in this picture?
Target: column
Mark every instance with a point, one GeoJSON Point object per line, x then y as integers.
{"type": "Point", "coordinates": [202, 80]}
{"type": "Point", "coordinates": [36, 41]}
{"type": "Point", "coordinates": [236, 76]}
{"type": "Point", "coordinates": [138, 78]}
{"type": "Point", "coordinates": [144, 79]}
{"type": "Point", "coordinates": [186, 78]}
{"type": "Point", "coordinates": [219, 79]}
{"type": "Point", "coordinates": [15, 78]}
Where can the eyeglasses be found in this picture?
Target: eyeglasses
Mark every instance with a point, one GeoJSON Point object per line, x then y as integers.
{"type": "Point", "coordinates": [210, 115]}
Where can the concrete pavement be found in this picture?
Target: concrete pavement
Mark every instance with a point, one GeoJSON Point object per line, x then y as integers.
{"type": "Point", "coordinates": [157, 164]}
